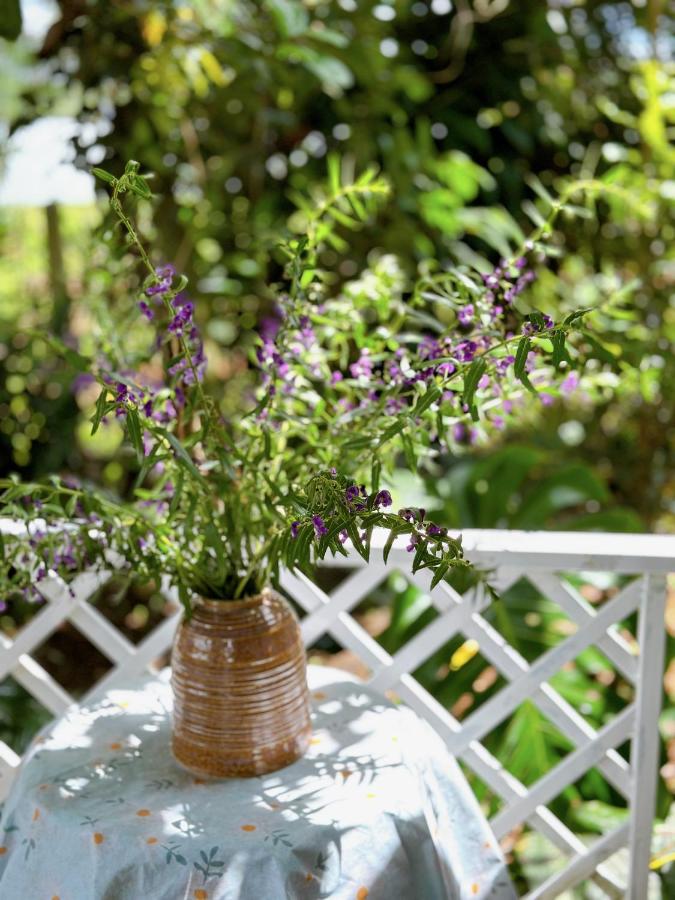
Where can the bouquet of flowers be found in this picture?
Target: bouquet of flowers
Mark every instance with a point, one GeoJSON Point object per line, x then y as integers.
{"type": "Point", "coordinates": [349, 382]}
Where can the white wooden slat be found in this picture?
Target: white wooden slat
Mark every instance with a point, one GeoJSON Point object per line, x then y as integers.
{"type": "Point", "coordinates": [583, 866]}
{"type": "Point", "coordinates": [564, 716]}
{"type": "Point", "coordinates": [61, 602]}
{"type": "Point", "coordinates": [511, 664]}
{"type": "Point", "coordinates": [569, 770]}
{"type": "Point", "coordinates": [147, 652]}
{"type": "Point", "coordinates": [498, 779]}
{"type": "Point", "coordinates": [36, 631]}
{"type": "Point", "coordinates": [499, 707]}
{"type": "Point", "coordinates": [613, 645]}
{"type": "Point", "coordinates": [344, 628]}
{"type": "Point", "coordinates": [8, 758]}
{"type": "Point", "coordinates": [101, 633]}
{"type": "Point", "coordinates": [343, 599]}
{"type": "Point", "coordinates": [424, 644]}
{"type": "Point", "coordinates": [645, 746]}
{"type": "Point", "coordinates": [39, 683]}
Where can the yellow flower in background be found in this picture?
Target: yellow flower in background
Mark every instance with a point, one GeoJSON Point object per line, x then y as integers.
{"type": "Point", "coordinates": [154, 27]}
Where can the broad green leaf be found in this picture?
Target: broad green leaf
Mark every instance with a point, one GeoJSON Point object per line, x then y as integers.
{"type": "Point", "coordinates": [290, 17]}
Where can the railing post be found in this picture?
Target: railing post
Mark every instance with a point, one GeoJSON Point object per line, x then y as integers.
{"type": "Point", "coordinates": [645, 745]}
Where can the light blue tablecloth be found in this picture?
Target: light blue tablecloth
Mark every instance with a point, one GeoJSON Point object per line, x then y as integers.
{"type": "Point", "coordinates": [377, 809]}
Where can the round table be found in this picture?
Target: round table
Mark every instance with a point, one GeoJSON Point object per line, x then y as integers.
{"type": "Point", "coordinates": [377, 809]}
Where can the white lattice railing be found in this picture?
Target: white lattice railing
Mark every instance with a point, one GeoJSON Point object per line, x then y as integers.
{"type": "Point", "coordinates": [540, 557]}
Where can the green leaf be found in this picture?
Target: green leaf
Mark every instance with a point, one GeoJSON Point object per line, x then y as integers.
{"type": "Point", "coordinates": [598, 350]}
{"type": "Point", "coordinates": [533, 182]}
{"type": "Point", "coordinates": [290, 17]}
{"type": "Point", "coordinates": [431, 395]}
{"type": "Point", "coordinates": [10, 19]}
{"type": "Point", "coordinates": [302, 545]}
{"type": "Point", "coordinates": [560, 353]}
{"type": "Point", "coordinates": [135, 433]}
{"type": "Point", "coordinates": [355, 537]}
{"type": "Point", "coordinates": [140, 187]}
{"type": "Point", "coordinates": [215, 540]}
{"type": "Point", "coordinates": [391, 432]}
{"type": "Point", "coordinates": [334, 176]}
{"type": "Point", "coordinates": [100, 411]}
{"type": "Point", "coordinates": [519, 365]}
{"type": "Point", "coordinates": [521, 356]}
{"type": "Point", "coordinates": [409, 452]}
{"type": "Point", "coordinates": [389, 543]}
{"type": "Point", "coordinates": [182, 456]}
{"type": "Point", "coordinates": [419, 559]}
{"type": "Point", "coordinates": [439, 573]}
{"type": "Point", "coordinates": [104, 176]}
{"type": "Point", "coordinates": [577, 315]}
{"type": "Point", "coordinates": [471, 379]}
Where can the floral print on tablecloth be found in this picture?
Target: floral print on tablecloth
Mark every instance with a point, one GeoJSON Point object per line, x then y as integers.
{"type": "Point", "coordinates": [377, 809]}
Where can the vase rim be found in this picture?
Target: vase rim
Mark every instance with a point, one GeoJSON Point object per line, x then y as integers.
{"type": "Point", "coordinates": [251, 600]}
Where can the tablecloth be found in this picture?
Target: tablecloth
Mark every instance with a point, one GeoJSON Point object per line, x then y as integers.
{"type": "Point", "coordinates": [377, 809]}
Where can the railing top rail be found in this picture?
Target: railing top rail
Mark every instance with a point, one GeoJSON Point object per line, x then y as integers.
{"type": "Point", "coordinates": [549, 550]}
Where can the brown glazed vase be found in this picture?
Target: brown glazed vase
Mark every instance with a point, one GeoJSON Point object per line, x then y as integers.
{"type": "Point", "coordinates": [241, 704]}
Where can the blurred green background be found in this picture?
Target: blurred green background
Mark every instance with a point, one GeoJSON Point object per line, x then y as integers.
{"type": "Point", "coordinates": [234, 106]}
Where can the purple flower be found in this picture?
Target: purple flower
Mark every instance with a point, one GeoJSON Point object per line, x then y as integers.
{"type": "Point", "coordinates": [429, 348]}
{"type": "Point", "coordinates": [145, 309]}
{"type": "Point", "coordinates": [182, 320]}
{"type": "Point", "coordinates": [307, 336]}
{"type": "Point", "coordinates": [394, 405]}
{"type": "Point", "coordinates": [319, 526]}
{"type": "Point", "coordinates": [465, 315]}
{"type": "Point", "coordinates": [383, 498]}
{"type": "Point", "coordinates": [435, 530]}
{"type": "Point", "coordinates": [165, 275]}
{"type": "Point", "coordinates": [466, 351]}
{"type": "Point", "coordinates": [351, 493]}
{"type": "Point", "coordinates": [295, 527]}
{"type": "Point", "coordinates": [414, 541]}
{"type": "Point", "coordinates": [570, 384]}
{"type": "Point", "coordinates": [336, 377]}
{"type": "Point", "coordinates": [363, 367]}
{"type": "Point", "coordinates": [269, 326]}
{"type": "Point", "coordinates": [82, 381]}
{"type": "Point", "coordinates": [502, 365]}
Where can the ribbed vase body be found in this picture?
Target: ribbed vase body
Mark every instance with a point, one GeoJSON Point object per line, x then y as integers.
{"type": "Point", "coordinates": [241, 704]}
